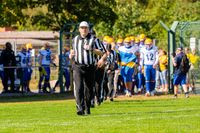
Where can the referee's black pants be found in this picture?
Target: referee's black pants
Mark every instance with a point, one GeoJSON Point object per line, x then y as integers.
{"type": "Point", "coordinates": [83, 76]}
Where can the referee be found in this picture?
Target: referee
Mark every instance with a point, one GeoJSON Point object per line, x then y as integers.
{"type": "Point", "coordinates": [83, 53]}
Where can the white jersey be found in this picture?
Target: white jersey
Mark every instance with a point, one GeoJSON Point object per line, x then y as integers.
{"type": "Point", "coordinates": [22, 59]}
{"type": "Point", "coordinates": [46, 56]}
{"type": "Point", "coordinates": [149, 57]}
{"type": "Point", "coordinates": [131, 49]}
{"type": "Point", "coordinates": [136, 48]}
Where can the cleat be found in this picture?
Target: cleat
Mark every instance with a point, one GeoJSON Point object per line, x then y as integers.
{"type": "Point", "coordinates": [80, 113]}
{"type": "Point", "coordinates": [147, 94]}
{"type": "Point", "coordinates": [186, 96]}
{"type": "Point", "coordinates": [175, 96]}
{"type": "Point", "coordinates": [111, 99]}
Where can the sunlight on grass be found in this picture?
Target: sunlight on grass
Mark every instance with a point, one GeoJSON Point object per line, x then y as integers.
{"type": "Point", "coordinates": [122, 115]}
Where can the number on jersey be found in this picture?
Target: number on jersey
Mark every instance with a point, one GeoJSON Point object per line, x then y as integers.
{"type": "Point", "coordinates": [150, 56]}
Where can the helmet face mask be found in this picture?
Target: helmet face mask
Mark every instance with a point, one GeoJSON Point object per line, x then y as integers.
{"type": "Point", "coordinates": [148, 43]}
{"type": "Point", "coordinates": [136, 43]}
{"type": "Point", "coordinates": [148, 46]}
{"type": "Point", "coordinates": [23, 48]}
{"type": "Point", "coordinates": [104, 42]}
{"type": "Point", "coordinates": [127, 44]}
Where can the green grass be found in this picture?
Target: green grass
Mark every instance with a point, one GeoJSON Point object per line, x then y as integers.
{"type": "Point", "coordinates": [54, 114]}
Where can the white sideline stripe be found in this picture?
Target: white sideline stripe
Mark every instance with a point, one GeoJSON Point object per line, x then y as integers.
{"type": "Point", "coordinates": [151, 117]}
{"type": "Point", "coordinates": [167, 111]}
{"type": "Point", "coordinates": [9, 125]}
{"type": "Point", "coordinates": [6, 125]}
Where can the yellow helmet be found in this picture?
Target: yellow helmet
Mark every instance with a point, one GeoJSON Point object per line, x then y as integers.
{"type": "Point", "coordinates": [110, 40]}
{"type": "Point", "coordinates": [105, 38]}
{"type": "Point", "coordinates": [132, 38]}
{"type": "Point", "coordinates": [127, 40]}
{"type": "Point", "coordinates": [148, 41]}
{"type": "Point", "coordinates": [142, 37]}
{"type": "Point", "coordinates": [120, 40]}
{"type": "Point", "coordinates": [29, 46]}
{"type": "Point", "coordinates": [137, 40]}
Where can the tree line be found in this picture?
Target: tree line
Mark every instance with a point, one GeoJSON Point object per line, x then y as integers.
{"type": "Point", "coordinates": [117, 18]}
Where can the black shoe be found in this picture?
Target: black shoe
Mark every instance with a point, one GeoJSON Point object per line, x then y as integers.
{"type": "Point", "coordinates": [175, 96]}
{"type": "Point", "coordinates": [80, 113]}
{"type": "Point", "coordinates": [12, 91]}
{"type": "Point", "coordinates": [101, 100]}
{"type": "Point", "coordinates": [105, 98]}
{"type": "Point", "coordinates": [87, 112]}
{"type": "Point", "coordinates": [29, 90]}
{"type": "Point", "coordinates": [111, 99]}
{"type": "Point", "coordinates": [45, 91]}
{"type": "Point", "coordinates": [186, 96]}
{"type": "Point", "coordinates": [92, 105]}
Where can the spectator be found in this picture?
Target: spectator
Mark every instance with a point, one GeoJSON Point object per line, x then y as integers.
{"type": "Point", "coordinates": [1, 69]}
{"type": "Point", "coordinates": [163, 73]}
{"type": "Point", "coordinates": [194, 67]}
{"type": "Point", "coordinates": [179, 76]}
{"type": "Point", "coordinates": [9, 62]}
{"type": "Point", "coordinates": [65, 64]}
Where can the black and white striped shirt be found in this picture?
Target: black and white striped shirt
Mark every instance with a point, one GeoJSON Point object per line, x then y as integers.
{"type": "Point", "coordinates": [82, 56]}
{"type": "Point", "coordinates": [111, 61]}
{"type": "Point", "coordinates": [98, 57]}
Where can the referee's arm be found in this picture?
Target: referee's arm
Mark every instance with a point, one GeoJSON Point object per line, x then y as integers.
{"type": "Point", "coordinates": [99, 48]}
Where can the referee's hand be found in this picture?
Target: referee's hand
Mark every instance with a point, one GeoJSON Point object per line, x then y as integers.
{"type": "Point", "coordinates": [100, 63]}
{"type": "Point", "coordinates": [72, 54]}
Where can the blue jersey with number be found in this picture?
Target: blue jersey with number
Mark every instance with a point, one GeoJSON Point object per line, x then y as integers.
{"type": "Point", "coordinates": [149, 56]}
{"type": "Point", "coordinates": [46, 56]}
{"type": "Point", "coordinates": [22, 59]}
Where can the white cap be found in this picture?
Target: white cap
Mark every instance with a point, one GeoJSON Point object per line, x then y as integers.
{"type": "Point", "coordinates": [84, 24]}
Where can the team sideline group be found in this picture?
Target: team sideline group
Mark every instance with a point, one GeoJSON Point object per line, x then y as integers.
{"type": "Point", "coordinates": [133, 65]}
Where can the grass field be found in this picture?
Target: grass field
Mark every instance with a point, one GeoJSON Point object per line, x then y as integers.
{"type": "Point", "coordinates": [56, 113]}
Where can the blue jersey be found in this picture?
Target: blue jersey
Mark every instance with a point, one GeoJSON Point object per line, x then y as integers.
{"type": "Point", "coordinates": [127, 56]}
{"type": "Point", "coordinates": [29, 58]}
{"type": "Point", "coordinates": [22, 59]}
{"type": "Point", "coordinates": [65, 60]}
{"type": "Point", "coordinates": [46, 56]}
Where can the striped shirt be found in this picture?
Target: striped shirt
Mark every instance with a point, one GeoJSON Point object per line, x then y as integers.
{"type": "Point", "coordinates": [111, 61]}
{"type": "Point", "coordinates": [83, 56]}
{"type": "Point", "coordinates": [98, 57]}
